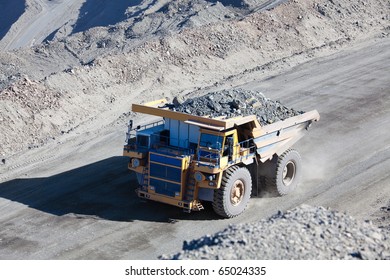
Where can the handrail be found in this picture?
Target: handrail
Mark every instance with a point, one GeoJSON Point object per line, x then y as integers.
{"type": "Point", "coordinates": [140, 128]}
{"type": "Point", "coordinates": [149, 125]}
{"type": "Point", "coordinates": [213, 158]}
{"type": "Point", "coordinates": [164, 142]}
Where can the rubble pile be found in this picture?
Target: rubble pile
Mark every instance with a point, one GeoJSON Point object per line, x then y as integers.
{"type": "Point", "coordinates": [25, 92]}
{"type": "Point", "coordinates": [234, 103]}
{"type": "Point", "coordinates": [303, 233]}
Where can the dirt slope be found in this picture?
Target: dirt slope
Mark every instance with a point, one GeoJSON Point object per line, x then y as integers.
{"type": "Point", "coordinates": [96, 75]}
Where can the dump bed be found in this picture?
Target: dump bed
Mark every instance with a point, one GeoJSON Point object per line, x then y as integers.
{"type": "Point", "coordinates": [277, 137]}
{"type": "Point", "coordinates": [269, 139]}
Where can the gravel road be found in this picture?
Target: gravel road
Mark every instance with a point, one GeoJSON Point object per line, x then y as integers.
{"type": "Point", "coordinates": [75, 199]}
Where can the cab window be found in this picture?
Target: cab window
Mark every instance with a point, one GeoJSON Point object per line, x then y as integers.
{"type": "Point", "coordinates": [210, 141]}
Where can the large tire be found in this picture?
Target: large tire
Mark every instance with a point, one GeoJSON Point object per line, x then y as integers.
{"type": "Point", "coordinates": [288, 172]}
{"type": "Point", "coordinates": [231, 199]}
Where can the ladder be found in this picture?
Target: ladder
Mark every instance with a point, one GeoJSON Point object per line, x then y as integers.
{"type": "Point", "coordinates": [145, 179]}
{"type": "Point", "coordinates": [190, 192]}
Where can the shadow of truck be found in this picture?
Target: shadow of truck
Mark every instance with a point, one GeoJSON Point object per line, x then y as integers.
{"type": "Point", "coordinates": [101, 190]}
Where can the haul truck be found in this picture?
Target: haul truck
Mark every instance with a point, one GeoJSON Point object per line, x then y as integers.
{"type": "Point", "coordinates": [184, 160]}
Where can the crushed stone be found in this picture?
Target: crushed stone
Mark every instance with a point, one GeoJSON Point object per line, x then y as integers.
{"type": "Point", "coordinates": [233, 103]}
{"type": "Point", "coordinates": [303, 233]}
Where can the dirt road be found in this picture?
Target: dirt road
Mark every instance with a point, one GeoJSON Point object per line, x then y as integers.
{"type": "Point", "coordinates": [76, 199]}
{"type": "Point", "coordinates": [39, 22]}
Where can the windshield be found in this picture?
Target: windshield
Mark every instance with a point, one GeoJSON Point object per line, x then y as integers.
{"type": "Point", "coordinates": [210, 141]}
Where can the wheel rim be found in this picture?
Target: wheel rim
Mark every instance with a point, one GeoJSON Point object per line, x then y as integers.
{"type": "Point", "coordinates": [237, 192]}
{"type": "Point", "coordinates": [289, 173]}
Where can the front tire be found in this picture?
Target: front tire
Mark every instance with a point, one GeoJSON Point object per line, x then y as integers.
{"type": "Point", "coordinates": [231, 199]}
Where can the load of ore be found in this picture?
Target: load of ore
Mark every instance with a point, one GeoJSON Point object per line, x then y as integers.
{"type": "Point", "coordinates": [233, 103]}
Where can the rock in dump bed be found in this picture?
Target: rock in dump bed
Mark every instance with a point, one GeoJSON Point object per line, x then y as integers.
{"type": "Point", "coordinates": [305, 232]}
{"type": "Point", "coordinates": [233, 103]}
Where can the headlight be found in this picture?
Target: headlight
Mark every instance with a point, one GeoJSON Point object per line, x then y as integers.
{"type": "Point", "coordinates": [198, 176]}
{"type": "Point", "coordinates": [135, 162]}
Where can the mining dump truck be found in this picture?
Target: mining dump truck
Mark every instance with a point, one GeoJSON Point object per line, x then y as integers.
{"type": "Point", "coordinates": [184, 160]}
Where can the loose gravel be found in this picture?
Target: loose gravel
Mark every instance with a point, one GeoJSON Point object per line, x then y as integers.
{"type": "Point", "coordinates": [233, 103]}
{"type": "Point", "coordinates": [303, 233]}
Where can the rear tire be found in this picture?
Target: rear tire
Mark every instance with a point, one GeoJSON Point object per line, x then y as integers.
{"type": "Point", "coordinates": [288, 172]}
{"type": "Point", "coordinates": [231, 199]}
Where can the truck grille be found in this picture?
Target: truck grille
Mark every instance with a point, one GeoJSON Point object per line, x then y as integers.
{"type": "Point", "coordinates": [165, 174]}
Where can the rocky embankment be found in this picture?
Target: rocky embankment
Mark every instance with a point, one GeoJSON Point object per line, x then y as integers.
{"type": "Point", "coordinates": [303, 233]}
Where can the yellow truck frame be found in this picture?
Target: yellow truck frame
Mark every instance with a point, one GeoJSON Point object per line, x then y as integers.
{"type": "Point", "coordinates": [183, 160]}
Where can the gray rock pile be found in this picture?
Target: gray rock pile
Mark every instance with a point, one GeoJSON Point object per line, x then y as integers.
{"type": "Point", "coordinates": [304, 233]}
{"type": "Point", "coordinates": [233, 103]}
